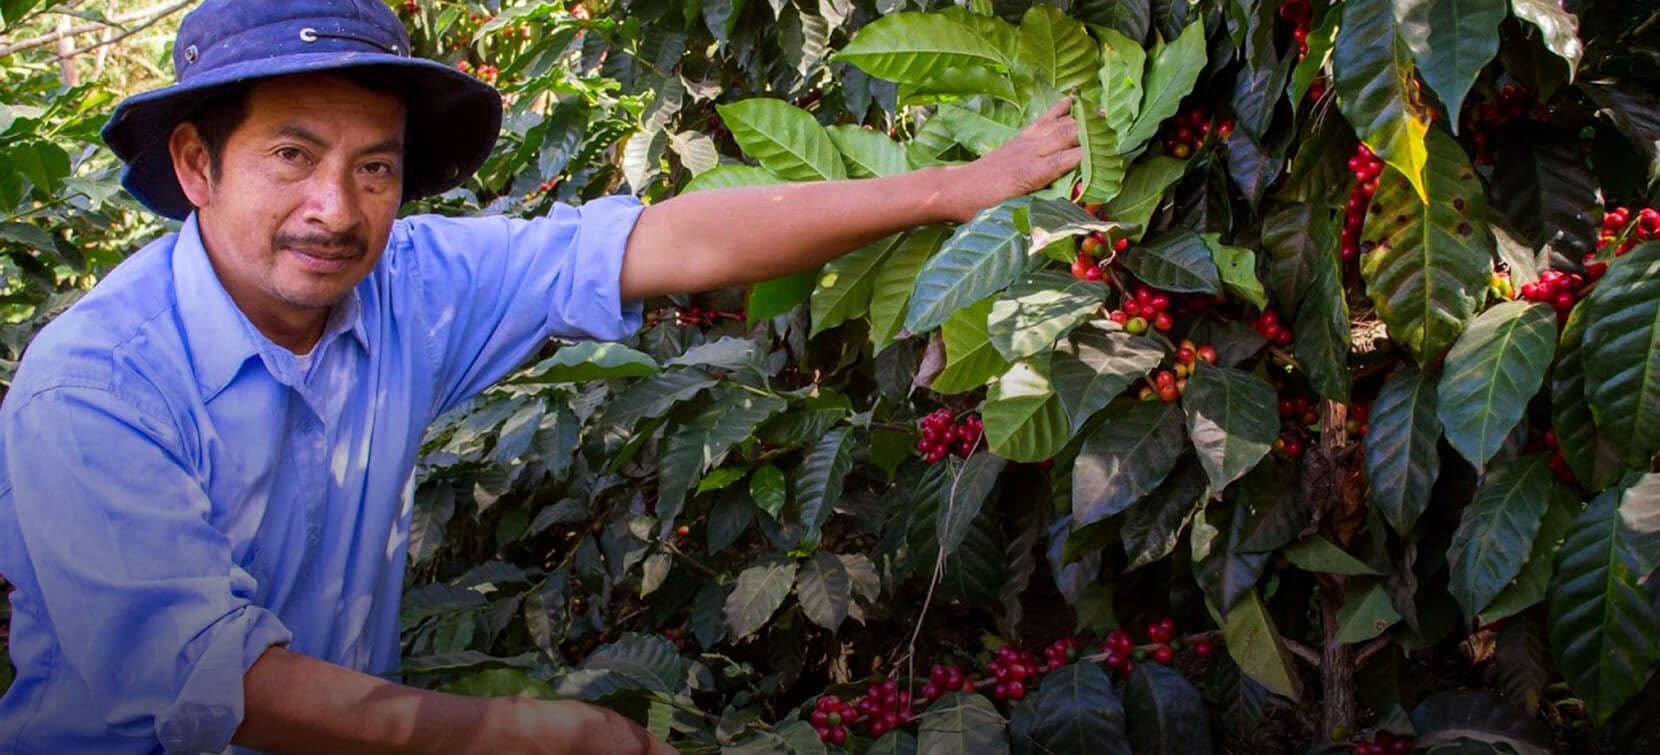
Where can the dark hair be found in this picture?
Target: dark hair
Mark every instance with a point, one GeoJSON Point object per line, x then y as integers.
{"type": "Point", "coordinates": [224, 111]}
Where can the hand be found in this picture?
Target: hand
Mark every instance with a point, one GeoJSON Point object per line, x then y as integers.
{"type": "Point", "coordinates": [564, 727]}
{"type": "Point", "coordinates": [1033, 159]}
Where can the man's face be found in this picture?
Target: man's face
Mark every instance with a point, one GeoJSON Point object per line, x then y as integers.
{"type": "Point", "coordinates": [304, 202]}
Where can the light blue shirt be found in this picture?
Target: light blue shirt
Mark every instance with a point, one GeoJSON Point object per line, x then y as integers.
{"type": "Point", "coordinates": [175, 497]}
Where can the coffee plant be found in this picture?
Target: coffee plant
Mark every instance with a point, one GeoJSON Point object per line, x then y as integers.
{"type": "Point", "coordinates": [1316, 411]}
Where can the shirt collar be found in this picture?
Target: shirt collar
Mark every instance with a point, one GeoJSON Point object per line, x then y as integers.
{"type": "Point", "coordinates": [220, 336]}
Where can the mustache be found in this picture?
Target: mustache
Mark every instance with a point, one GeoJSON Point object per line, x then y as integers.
{"type": "Point", "coordinates": [333, 243]}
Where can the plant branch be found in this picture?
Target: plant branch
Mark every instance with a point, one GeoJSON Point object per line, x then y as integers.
{"type": "Point", "coordinates": [1304, 652]}
{"type": "Point", "coordinates": [147, 16]}
{"type": "Point", "coordinates": [1372, 648]}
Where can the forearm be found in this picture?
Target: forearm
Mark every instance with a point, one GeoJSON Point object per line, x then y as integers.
{"type": "Point", "coordinates": [297, 704]}
{"type": "Point", "coordinates": [724, 237]}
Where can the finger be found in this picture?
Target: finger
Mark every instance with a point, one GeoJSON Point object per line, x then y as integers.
{"type": "Point", "coordinates": [1066, 160]}
{"type": "Point", "coordinates": [1059, 109]}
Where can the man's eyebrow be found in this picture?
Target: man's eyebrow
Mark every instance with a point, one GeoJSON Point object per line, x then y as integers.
{"type": "Point", "coordinates": [295, 131]}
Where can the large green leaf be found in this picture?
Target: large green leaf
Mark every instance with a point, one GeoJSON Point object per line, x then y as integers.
{"type": "Point", "coordinates": [1171, 76]}
{"type": "Point", "coordinates": [1433, 259]}
{"type": "Point", "coordinates": [1024, 417]}
{"type": "Point", "coordinates": [1131, 18]}
{"type": "Point", "coordinates": [1542, 186]}
{"type": "Point", "coordinates": [1237, 266]}
{"type": "Point", "coordinates": [1529, 587]}
{"type": "Point", "coordinates": [818, 482]}
{"type": "Point", "coordinates": [963, 497]}
{"type": "Point", "coordinates": [1094, 366]}
{"type": "Point", "coordinates": [1240, 700]}
{"type": "Point", "coordinates": [1176, 261]}
{"type": "Point", "coordinates": [1376, 89]}
{"type": "Point", "coordinates": [1366, 613]}
{"type": "Point", "coordinates": [1152, 530]}
{"type": "Point", "coordinates": [1056, 48]}
{"type": "Point", "coordinates": [962, 723]}
{"type": "Point", "coordinates": [590, 360]}
{"type": "Point", "coordinates": [1622, 354]}
{"type": "Point", "coordinates": [1122, 63]}
{"type": "Point", "coordinates": [825, 590]}
{"type": "Point", "coordinates": [760, 590]}
{"type": "Point", "coordinates": [1074, 713]}
{"type": "Point", "coordinates": [1296, 235]}
{"type": "Point", "coordinates": [845, 284]}
{"type": "Point", "coordinates": [1601, 622]}
{"type": "Point", "coordinates": [977, 130]}
{"type": "Point", "coordinates": [728, 176]}
{"type": "Point", "coordinates": [1640, 524]}
{"type": "Point", "coordinates": [1322, 327]}
{"type": "Point", "coordinates": [915, 47]}
{"type": "Point", "coordinates": [1480, 718]}
{"type": "Point", "coordinates": [1559, 27]}
{"type": "Point", "coordinates": [1224, 569]}
{"type": "Point", "coordinates": [981, 258]}
{"type": "Point", "coordinates": [776, 297]}
{"type": "Point", "coordinates": [1254, 642]}
{"type": "Point", "coordinates": [1401, 457]}
{"type": "Point", "coordinates": [1588, 451]}
{"type": "Point", "coordinates": [790, 738]}
{"type": "Point", "coordinates": [891, 292]}
{"type": "Point", "coordinates": [1143, 189]}
{"type": "Point", "coordinates": [970, 358]}
{"type": "Point", "coordinates": [702, 441]}
{"type": "Point", "coordinates": [1167, 715]}
{"type": "Point", "coordinates": [784, 139]}
{"type": "Point", "coordinates": [1039, 309]}
{"type": "Point", "coordinates": [1451, 40]}
{"type": "Point", "coordinates": [1125, 458]}
{"type": "Point", "coordinates": [868, 153]}
{"type": "Point", "coordinates": [1497, 530]}
{"type": "Point", "coordinates": [1102, 170]}
{"type": "Point", "coordinates": [1496, 366]}
{"type": "Point", "coordinates": [1232, 418]}
{"type": "Point", "coordinates": [956, 83]}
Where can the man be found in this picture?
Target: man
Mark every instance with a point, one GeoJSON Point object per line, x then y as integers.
{"type": "Point", "coordinates": [205, 466]}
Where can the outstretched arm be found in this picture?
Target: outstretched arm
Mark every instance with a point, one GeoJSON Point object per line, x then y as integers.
{"type": "Point", "coordinates": [724, 237]}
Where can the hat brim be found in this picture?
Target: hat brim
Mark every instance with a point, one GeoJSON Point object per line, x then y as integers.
{"type": "Point", "coordinates": [453, 122]}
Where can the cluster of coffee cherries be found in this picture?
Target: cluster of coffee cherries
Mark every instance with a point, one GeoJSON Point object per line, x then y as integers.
{"type": "Point", "coordinates": [1291, 444]}
{"type": "Point", "coordinates": [1556, 288]}
{"type": "Point", "coordinates": [1146, 308]}
{"type": "Point", "coordinates": [678, 637]}
{"type": "Point", "coordinates": [886, 707]}
{"type": "Point", "coordinates": [1061, 652]}
{"type": "Point", "coordinates": [411, 7]}
{"type": "Point", "coordinates": [1384, 743]}
{"type": "Point", "coordinates": [1366, 168]}
{"type": "Point", "coordinates": [1355, 425]}
{"type": "Point", "coordinates": [1619, 231]}
{"type": "Point", "coordinates": [1122, 653]}
{"type": "Point", "coordinates": [1011, 668]}
{"type": "Point", "coordinates": [1300, 15]}
{"type": "Point", "coordinates": [831, 718]}
{"type": "Point", "coordinates": [1298, 409]}
{"type": "Point", "coordinates": [1514, 102]}
{"type": "Point", "coordinates": [1169, 385]}
{"type": "Point", "coordinates": [543, 189]}
{"type": "Point", "coordinates": [485, 73]}
{"type": "Point", "coordinates": [1184, 134]}
{"type": "Point", "coordinates": [1088, 264]}
{"type": "Point", "coordinates": [943, 434]}
{"type": "Point", "coordinates": [1269, 325]}
{"type": "Point", "coordinates": [943, 679]}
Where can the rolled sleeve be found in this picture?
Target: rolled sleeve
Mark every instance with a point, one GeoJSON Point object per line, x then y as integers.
{"type": "Point", "coordinates": [148, 606]}
{"type": "Point", "coordinates": [494, 289]}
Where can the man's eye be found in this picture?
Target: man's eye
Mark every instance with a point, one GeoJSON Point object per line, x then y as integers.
{"type": "Point", "coordinates": [290, 154]}
{"type": "Point", "coordinates": [378, 169]}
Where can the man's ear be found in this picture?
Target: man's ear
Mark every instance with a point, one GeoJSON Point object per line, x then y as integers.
{"type": "Point", "coordinates": [191, 163]}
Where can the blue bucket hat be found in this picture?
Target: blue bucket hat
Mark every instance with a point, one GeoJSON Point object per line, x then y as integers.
{"type": "Point", "coordinates": [453, 119]}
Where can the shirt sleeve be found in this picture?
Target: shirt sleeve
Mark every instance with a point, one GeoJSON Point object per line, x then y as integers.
{"type": "Point", "coordinates": [147, 605]}
{"type": "Point", "coordinates": [493, 290]}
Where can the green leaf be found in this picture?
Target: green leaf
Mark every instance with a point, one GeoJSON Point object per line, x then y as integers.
{"type": "Point", "coordinates": [655, 396]}
{"type": "Point", "coordinates": [1224, 569]}
{"type": "Point", "coordinates": [891, 292]}
{"type": "Point", "coordinates": [1529, 587]}
{"type": "Point", "coordinates": [1075, 713]}
{"type": "Point", "coordinates": [589, 360]}
{"type": "Point", "coordinates": [1174, 71]}
{"type": "Point", "coordinates": [501, 682]}
{"type": "Point", "coordinates": [1167, 716]}
{"type": "Point", "coordinates": [1497, 531]}
{"type": "Point", "coordinates": [722, 478]}
{"type": "Point", "coordinates": [1125, 458]}
{"type": "Point", "coordinates": [1492, 371]}
{"type": "Point", "coordinates": [1039, 309]}
{"type": "Point", "coordinates": [1320, 39]}
{"type": "Point", "coordinates": [955, 83]}
{"type": "Point", "coordinates": [1401, 457]}
{"type": "Point", "coordinates": [1433, 259]}
{"type": "Point", "coordinates": [1366, 613]}
{"type": "Point", "coordinates": [825, 590]}
{"type": "Point", "coordinates": [895, 742]}
{"type": "Point", "coordinates": [963, 498]}
{"type": "Point", "coordinates": [1542, 185]}
{"type": "Point", "coordinates": [786, 140]}
{"type": "Point", "coordinates": [976, 572]}
{"type": "Point", "coordinates": [434, 506]}
{"type": "Point", "coordinates": [981, 258]}
{"type": "Point", "coordinates": [1130, 18]}
{"type": "Point", "coordinates": [819, 479]}
{"type": "Point", "coordinates": [1122, 62]}
{"type": "Point", "coordinates": [1317, 554]}
{"type": "Point", "coordinates": [1237, 266]}
{"type": "Point", "coordinates": [651, 659]}
{"type": "Point", "coordinates": [1451, 40]}
{"type": "Point", "coordinates": [1559, 27]}
{"type": "Point", "coordinates": [1176, 261]}
{"type": "Point", "coordinates": [1152, 530]}
{"type": "Point", "coordinates": [776, 297]}
{"type": "Point", "coordinates": [1478, 716]}
{"type": "Point", "coordinates": [1640, 524]}
{"type": "Point", "coordinates": [729, 176]}
{"type": "Point", "coordinates": [760, 590]}
{"type": "Point", "coordinates": [1373, 70]}
{"type": "Point", "coordinates": [1255, 644]}
{"type": "Point", "coordinates": [978, 131]}
{"type": "Point", "coordinates": [960, 723]}
{"type": "Point", "coordinates": [768, 489]}
{"type": "Point", "coordinates": [915, 47]}
{"type": "Point", "coordinates": [970, 358]}
{"type": "Point", "coordinates": [868, 153]}
{"type": "Point", "coordinates": [790, 738]}
{"type": "Point", "coordinates": [1588, 451]}
{"type": "Point", "coordinates": [1057, 48]}
{"type": "Point", "coordinates": [1024, 418]}
{"type": "Point", "coordinates": [1232, 418]}
{"type": "Point", "coordinates": [1143, 189]}
{"type": "Point", "coordinates": [846, 283]}
{"type": "Point", "coordinates": [1094, 366]}
{"type": "Point", "coordinates": [1052, 219]}
{"type": "Point", "coordinates": [1322, 327]}
{"type": "Point", "coordinates": [1601, 621]}
{"type": "Point", "coordinates": [1622, 354]}
{"type": "Point", "coordinates": [1102, 171]}
{"type": "Point", "coordinates": [1241, 699]}
{"type": "Point", "coordinates": [702, 441]}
